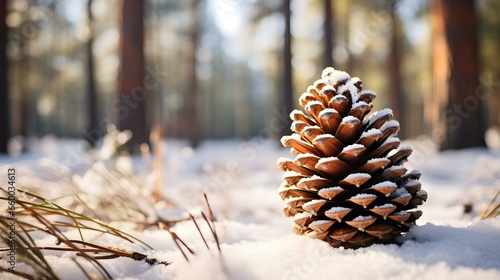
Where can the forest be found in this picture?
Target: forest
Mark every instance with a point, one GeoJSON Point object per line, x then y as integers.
{"type": "Point", "coordinates": [224, 69]}
{"type": "Point", "coordinates": [249, 139]}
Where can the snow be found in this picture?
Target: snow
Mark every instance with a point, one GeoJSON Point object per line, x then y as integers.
{"type": "Point", "coordinates": [395, 167]}
{"type": "Point", "coordinates": [306, 155]}
{"type": "Point", "coordinates": [387, 205]}
{"type": "Point", "coordinates": [363, 195]}
{"type": "Point", "coordinates": [386, 184]}
{"type": "Point", "coordinates": [291, 173]}
{"type": "Point", "coordinates": [312, 202]}
{"type": "Point", "coordinates": [319, 81]}
{"type": "Point", "coordinates": [401, 192]}
{"type": "Point", "coordinates": [282, 159]}
{"type": "Point", "coordinates": [379, 114]}
{"type": "Point", "coordinates": [327, 88]}
{"type": "Point", "coordinates": [360, 104]}
{"type": "Point", "coordinates": [389, 124]}
{"type": "Point", "coordinates": [405, 148]}
{"type": "Point", "coordinates": [312, 178]}
{"type": "Point", "coordinates": [327, 72]}
{"type": "Point", "coordinates": [353, 90]}
{"type": "Point", "coordinates": [371, 132]}
{"type": "Point", "coordinates": [367, 91]}
{"type": "Point", "coordinates": [421, 192]}
{"type": "Point", "coordinates": [375, 160]}
{"type": "Point", "coordinates": [336, 209]}
{"type": "Point", "coordinates": [321, 136]}
{"type": "Point", "coordinates": [327, 111]}
{"type": "Point", "coordinates": [326, 159]}
{"type": "Point", "coordinates": [352, 147]}
{"type": "Point", "coordinates": [354, 80]}
{"type": "Point", "coordinates": [319, 222]}
{"type": "Point", "coordinates": [362, 218]}
{"type": "Point", "coordinates": [313, 103]}
{"type": "Point", "coordinates": [392, 140]}
{"type": "Point", "coordinates": [333, 76]}
{"type": "Point", "coordinates": [241, 179]}
{"type": "Point", "coordinates": [302, 215]}
{"type": "Point", "coordinates": [358, 175]}
{"type": "Point", "coordinates": [324, 190]}
{"type": "Point", "coordinates": [350, 120]}
{"type": "Point", "coordinates": [292, 199]}
{"type": "Point", "coordinates": [295, 112]}
{"type": "Point", "coordinates": [412, 182]}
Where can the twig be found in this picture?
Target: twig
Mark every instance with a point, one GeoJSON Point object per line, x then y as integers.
{"type": "Point", "coordinates": [494, 211]}
{"type": "Point", "coordinates": [212, 228]}
{"type": "Point", "coordinates": [175, 238]}
{"type": "Point", "coordinates": [198, 228]}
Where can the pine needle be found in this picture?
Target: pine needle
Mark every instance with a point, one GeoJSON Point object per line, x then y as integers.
{"type": "Point", "coordinates": [212, 227]}
{"type": "Point", "coordinates": [48, 217]}
{"type": "Point", "coordinates": [493, 210]}
{"type": "Point", "coordinates": [175, 238]}
{"type": "Point", "coordinates": [198, 228]}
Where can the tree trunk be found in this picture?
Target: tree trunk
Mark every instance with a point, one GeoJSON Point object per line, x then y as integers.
{"type": "Point", "coordinates": [394, 69]}
{"type": "Point", "coordinates": [92, 134]}
{"type": "Point", "coordinates": [132, 105]}
{"type": "Point", "coordinates": [286, 102]}
{"type": "Point", "coordinates": [189, 120]}
{"type": "Point", "coordinates": [327, 27]}
{"type": "Point", "coordinates": [456, 118]}
{"type": "Point", "coordinates": [4, 91]}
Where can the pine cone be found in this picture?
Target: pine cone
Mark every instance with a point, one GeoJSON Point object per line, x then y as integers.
{"type": "Point", "coordinates": [347, 185]}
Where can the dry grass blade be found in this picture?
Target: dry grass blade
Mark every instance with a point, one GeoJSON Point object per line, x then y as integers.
{"type": "Point", "coordinates": [212, 226]}
{"type": "Point", "coordinates": [45, 208]}
{"type": "Point", "coordinates": [176, 240]}
{"type": "Point", "coordinates": [98, 251]}
{"type": "Point", "coordinates": [125, 188]}
{"type": "Point", "coordinates": [198, 228]}
{"type": "Point", "coordinates": [493, 209]}
{"type": "Point", "coordinates": [210, 222]}
{"type": "Point", "coordinates": [20, 274]}
{"type": "Point", "coordinates": [61, 238]}
{"type": "Point", "coordinates": [43, 215]}
{"type": "Point", "coordinates": [26, 252]}
{"type": "Point", "coordinates": [90, 276]}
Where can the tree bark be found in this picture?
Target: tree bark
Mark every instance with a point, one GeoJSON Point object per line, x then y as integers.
{"type": "Point", "coordinates": [328, 36]}
{"type": "Point", "coordinates": [132, 105]}
{"type": "Point", "coordinates": [456, 115]}
{"type": "Point", "coordinates": [189, 121]}
{"type": "Point", "coordinates": [92, 134]}
{"type": "Point", "coordinates": [394, 68]}
{"type": "Point", "coordinates": [4, 90]}
{"type": "Point", "coordinates": [286, 100]}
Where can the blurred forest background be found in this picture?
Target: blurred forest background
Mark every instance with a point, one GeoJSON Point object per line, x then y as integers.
{"type": "Point", "coordinates": [217, 69]}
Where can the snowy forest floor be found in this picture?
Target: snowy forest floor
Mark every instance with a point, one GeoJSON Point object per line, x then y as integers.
{"type": "Point", "coordinates": [241, 179]}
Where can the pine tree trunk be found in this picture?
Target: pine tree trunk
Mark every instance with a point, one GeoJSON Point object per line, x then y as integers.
{"type": "Point", "coordinates": [327, 27]}
{"type": "Point", "coordinates": [286, 102]}
{"type": "Point", "coordinates": [132, 110]}
{"type": "Point", "coordinates": [92, 134]}
{"type": "Point", "coordinates": [189, 121]}
{"type": "Point", "coordinates": [456, 118]}
{"type": "Point", "coordinates": [4, 91]}
{"type": "Point", "coordinates": [395, 88]}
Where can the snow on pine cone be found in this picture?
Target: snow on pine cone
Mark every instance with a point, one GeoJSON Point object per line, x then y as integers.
{"type": "Point", "coordinates": [347, 185]}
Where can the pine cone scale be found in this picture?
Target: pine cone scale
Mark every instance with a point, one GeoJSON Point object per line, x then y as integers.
{"type": "Point", "coordinates": [342, 187]}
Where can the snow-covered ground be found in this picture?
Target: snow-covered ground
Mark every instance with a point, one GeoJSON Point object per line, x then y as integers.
{"type": "Point", "coordinates": [241, 179]}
